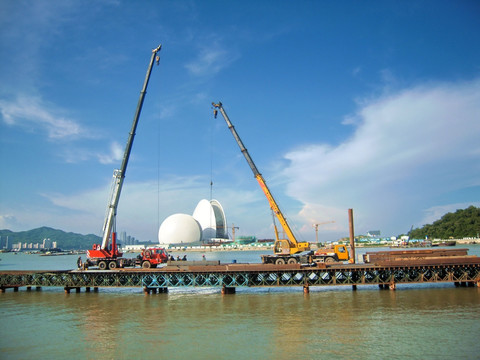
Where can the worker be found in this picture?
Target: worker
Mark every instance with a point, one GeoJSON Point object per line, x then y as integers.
{"type": "Point", "coordinates": [203, 257]}
{"type": "Point", "coordinates": [178, 257]}
{"type": "Point", "coordinates": [172, 258]}
{"type": "Point", "coordinates": [184, 257]}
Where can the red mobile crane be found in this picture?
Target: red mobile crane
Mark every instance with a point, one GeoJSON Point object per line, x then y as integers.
{"type": "Point", "coordinates": [107, 254]}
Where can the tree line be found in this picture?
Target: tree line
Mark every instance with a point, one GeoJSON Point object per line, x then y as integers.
{"type": "Point", "coordinates": [463, 223]}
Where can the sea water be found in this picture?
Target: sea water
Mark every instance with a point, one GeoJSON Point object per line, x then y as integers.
{"type": "Point", "coordinates": [434, 321]}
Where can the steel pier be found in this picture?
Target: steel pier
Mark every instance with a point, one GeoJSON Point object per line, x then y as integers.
{"type": "Point", "coordinates": [228, 277]}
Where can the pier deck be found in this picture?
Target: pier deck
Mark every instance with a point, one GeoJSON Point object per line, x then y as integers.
{"type": "Point", "coordinates": [230, 276]}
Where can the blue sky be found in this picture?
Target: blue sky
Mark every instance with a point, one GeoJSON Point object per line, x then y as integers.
{"type": "Point", "coordinates": [369, 105]}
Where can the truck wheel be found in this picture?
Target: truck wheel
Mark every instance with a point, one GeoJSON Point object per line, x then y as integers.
{"type": "Point", "coordinates": [102, 265]}
{"type": "Point", "coordinates": [112, 265]}
{"type": "Point", "coordinates": [146, 265]}
{"type": "Point", "coordinates": [329, 259]}
{"type": "Point", "coordinates": [280, 261]}
{"type": "Point", "coordinates": [292, 261]}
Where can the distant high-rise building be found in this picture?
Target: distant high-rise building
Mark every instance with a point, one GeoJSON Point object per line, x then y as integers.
{"type": "Point", "coordinates": [123, 238]}
{"type": "Point", "coordinates": [47, 243]}
{"type": "Point", "coordinates": [4, 243]}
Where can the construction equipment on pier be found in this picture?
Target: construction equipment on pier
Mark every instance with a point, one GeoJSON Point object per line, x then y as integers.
{"type": "Point", "coordinates": [107, 254]}
{"type": "Point", "coordinates": [461, 270]}
{"type": "Point", "coordinates": [288, 250]}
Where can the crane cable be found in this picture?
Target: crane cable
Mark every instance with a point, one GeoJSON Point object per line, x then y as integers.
{"type": "Point", "coordinates": [212, 123]}
{"type": "Point", "coordinates": [157, 59]}
{"type": "Point", "coordinates": [158, 176]}
{"type": "Point", "coordinates": [211, 177]}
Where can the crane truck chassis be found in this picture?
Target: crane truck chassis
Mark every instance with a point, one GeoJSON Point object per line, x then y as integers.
{"type": "Point", "coordinates": [337, 253]}
{"type": "Point", "coordinates": [148, 258]}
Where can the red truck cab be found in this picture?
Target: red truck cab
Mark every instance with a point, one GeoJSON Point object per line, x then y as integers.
{"type": "Point", "coordinates": [151, 257]}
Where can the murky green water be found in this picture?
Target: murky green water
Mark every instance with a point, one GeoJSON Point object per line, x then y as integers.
{"type": "Point", "coordinates": [413, 322]}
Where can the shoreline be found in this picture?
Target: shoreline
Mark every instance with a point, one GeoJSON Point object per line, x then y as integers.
{"type": "Point", "coordinates": [270, 247]}
{"type": "Point", "coordinates": [219, 248]}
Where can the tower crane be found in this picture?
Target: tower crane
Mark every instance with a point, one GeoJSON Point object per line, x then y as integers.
{"type": "Point", "coordinates": [316, 228]}
{"type": "Point", "coordinates": [233, 231]}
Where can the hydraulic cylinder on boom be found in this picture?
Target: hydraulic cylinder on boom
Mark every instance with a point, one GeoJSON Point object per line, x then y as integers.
{"type": "Point", "coordinates": [282, 247]}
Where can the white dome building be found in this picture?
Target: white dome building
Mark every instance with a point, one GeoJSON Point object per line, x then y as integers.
{"type": "Point", "coordinates": [207, 224]}
{"type": "Point", "coordinates": [211, 217]}
{"type": "Point", "coordinates": [179, 228]}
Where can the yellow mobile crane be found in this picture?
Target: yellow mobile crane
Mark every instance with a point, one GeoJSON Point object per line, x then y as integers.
{"type": "Point", "coordinates": [287, 250]}
{"type": "Point", "coordinates": [283, 248]}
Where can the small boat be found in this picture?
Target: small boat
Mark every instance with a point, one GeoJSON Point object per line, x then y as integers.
{"type": "Point", "coordinates": [445, 243]}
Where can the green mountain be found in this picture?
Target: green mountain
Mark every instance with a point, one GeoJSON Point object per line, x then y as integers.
{"type": "Point", "coordinates": [65, 241]}
{"type": "Point", "coordinates": [458, 225]}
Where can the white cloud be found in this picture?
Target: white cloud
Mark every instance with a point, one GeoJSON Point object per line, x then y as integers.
{"type": "Point", "coordinates": [8, 221]}
{"type": "Point", "coordinates": [357, 71]}
{"type": "Point", "coordinates": [407, 150]}
{"type": "Point", "coordinates": [32, 112]}
{"type": "Point", "coordinates": [210, 60]}
{"type": "Point", "coordinates": [116, 154]}
{"type": "Point", "coordinates": [75, 155]}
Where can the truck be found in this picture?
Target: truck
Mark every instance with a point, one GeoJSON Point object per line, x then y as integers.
{"type": "Point", "coordinates": [148, 258]}
{"type": "Point", "coordinates": [288, 250]}
{"type": "Point", "coordinates": [107, 254]}
{"type": "Point", "coordinates": [152, 257]}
